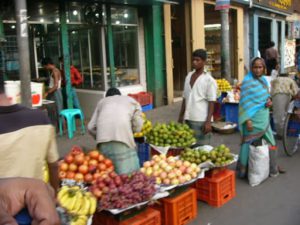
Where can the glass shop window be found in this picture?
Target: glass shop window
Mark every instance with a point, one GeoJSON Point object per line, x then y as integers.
{"type": "Point", "coordinates": [125, 41]}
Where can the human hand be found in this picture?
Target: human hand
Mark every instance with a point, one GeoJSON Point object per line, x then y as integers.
{"type": "Point", "coordinates": [207, 127]}
{"type": "Point", "coordinates": [249, 125]}
{"type": "Point", "coordinates": [269, 103]}
{"type": "Point", "coordinates": [18, 193]}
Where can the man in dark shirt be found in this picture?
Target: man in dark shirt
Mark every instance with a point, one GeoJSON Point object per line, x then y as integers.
{"type": "Point", "coordinates": [27, 141]}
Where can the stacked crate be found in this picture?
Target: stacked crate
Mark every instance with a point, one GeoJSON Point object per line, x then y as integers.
{"type": "Point", "coordinates": [216, 188]}
{"type": "Point", "coordinates": [147, 217]}
{"type": "Point", "coordinates": [178, 210]}
{"type": "Point", "coordinates": [145, 99]}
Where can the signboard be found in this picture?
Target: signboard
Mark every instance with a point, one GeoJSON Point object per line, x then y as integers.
{"type": "Point", "coordinates": [285, 6]}
{"type": "Point", "coordinates": [23, 23]}
{"type": "Point", "coordinates": [222, 4]}
{"type": "Point", "coordinates": [289, 54]}
{"type": "Point", "coordinates": [296, 29]}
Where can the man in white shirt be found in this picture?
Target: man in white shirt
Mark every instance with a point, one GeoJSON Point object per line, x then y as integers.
{"type": "Point", "coordinates": [113, 123]}
{"type": "Point", "coordinates": [199, 95]}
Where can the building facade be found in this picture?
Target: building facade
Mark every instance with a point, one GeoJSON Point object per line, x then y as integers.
{"type": "Point", "coordinates": [112, 44]}
{"type": "Point", "coordinates": [268, 23]}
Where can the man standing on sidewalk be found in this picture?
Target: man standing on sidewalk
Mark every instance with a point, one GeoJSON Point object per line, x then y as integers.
{"type": "Point", "coordinates": [199, 95]}
{"type": "Point", "coordinates": [283, 89]}
{"type": "Point", "coordinates": [76, 79]}
{"type": "Point", "coordinates": [271, 54]}
{"type": "Point", "coordinates": [27, 141]}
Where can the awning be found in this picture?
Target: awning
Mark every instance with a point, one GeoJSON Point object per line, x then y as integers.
{"type": "Point", "coordinates": [141, 2]}
{"type": "Point", "coordinates": [127, 2]}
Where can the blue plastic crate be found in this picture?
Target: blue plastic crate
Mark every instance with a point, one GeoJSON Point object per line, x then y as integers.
{"type": "Point", "coordinates": [23, 218]}
{"type": "Point", "coordinates": [231, 112]}
{"type": "Point", "coordinates": [272, 122]}
{"type": "Point", "coordinates": [147, 107]}
{"type": "Point", "coordinates": [293, 128]}
{"type": "Point", "coordinates": [223, 110]}
{"type": "Point", "coordinates": [220, 98]}
{"type": "Point", "coordinates": [143, 150]}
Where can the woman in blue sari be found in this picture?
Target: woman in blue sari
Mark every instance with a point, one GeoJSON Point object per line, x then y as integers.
{"type": "Point", "coordinates": [254, 121]}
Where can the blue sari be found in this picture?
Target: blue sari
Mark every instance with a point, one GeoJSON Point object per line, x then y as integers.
{"type": "Point", "coordinates": [252, 106]}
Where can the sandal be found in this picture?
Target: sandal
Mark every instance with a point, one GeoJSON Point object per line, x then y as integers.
{"type": "Point", "coordinates": [281, 170]}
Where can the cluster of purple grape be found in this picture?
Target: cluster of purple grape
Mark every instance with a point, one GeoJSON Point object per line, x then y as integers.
{"type": "Point", "coordinates": [134, 188]}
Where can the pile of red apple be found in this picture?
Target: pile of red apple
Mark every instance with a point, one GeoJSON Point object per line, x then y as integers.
{"type": "Point", "coordinates": [82, 167]}
{"type": "Point", "coordinates": [170, 170]}
{"type": "Point", "coordinates": [121, 191]}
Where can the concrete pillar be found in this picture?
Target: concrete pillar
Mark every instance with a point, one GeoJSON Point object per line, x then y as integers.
{"type": "Point", "coordinates": [66, 53]}
{"type": "Point", "coordinates": [110, 48]}
{"type": "Point", "coordinates": [23, 50]}
{"type": "Point", "coordinates": [225, 45]}
{"type": "Point", "coordinates": [255, 36]}
{"type": "Point", "coordinates": [241, 45]}
{"type": "Point", "coordinates": [197, 24]}
{"type": "Point", "coordinates": [168, 52]}
{"type": "Point", "coordinates": [282, 47]}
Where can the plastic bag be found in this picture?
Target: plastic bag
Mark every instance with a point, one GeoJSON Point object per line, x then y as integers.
{"type": "Point", "coordinates": [258, 165]}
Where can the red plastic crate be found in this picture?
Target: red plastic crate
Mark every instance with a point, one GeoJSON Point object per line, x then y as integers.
{"type": "Point", "coordinates": [216, 172]}
{"type": "Point", "coordinates": [178, 210]}
{"type": "Point", "coordinates": [217, 114]}
{"type": "Point", "coordinates": [171, 152]}
{"type": "Point", "coordinates": [148, 217]}
{"type": "Point", "coordinates": [144, 98]}
{"type": "Point", "coordinates": [218, 189]}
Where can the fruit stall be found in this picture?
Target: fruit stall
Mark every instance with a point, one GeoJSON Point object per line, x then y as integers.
{"type": "Point", "coordinates": [173, 176]}
{"type": "Point", "coordinates": [226, 108]}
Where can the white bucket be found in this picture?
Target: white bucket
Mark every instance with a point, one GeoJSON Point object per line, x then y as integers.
{"type": "Point", "coordinates": [36, 94]}
{"type": "Point", "coordinates": [13, 91]}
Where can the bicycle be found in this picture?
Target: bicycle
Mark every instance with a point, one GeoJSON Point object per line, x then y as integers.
{"type": "Point", "coordinates": [291, 132]}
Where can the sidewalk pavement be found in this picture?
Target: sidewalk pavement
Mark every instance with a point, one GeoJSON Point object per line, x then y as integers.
{"type": "Point", "coordinates": [274, 202]}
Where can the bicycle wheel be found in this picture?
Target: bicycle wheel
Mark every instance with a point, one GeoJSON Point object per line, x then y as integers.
{"type": "Point", "coordinates": [291, 136]}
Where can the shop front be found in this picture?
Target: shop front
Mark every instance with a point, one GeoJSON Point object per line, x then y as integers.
{"type": "Point", "coordinates": [111, 44]}
{"type": "Point", "coordinates": [268, 23]}
{"type": "Point", "coordinates": [197, 24]}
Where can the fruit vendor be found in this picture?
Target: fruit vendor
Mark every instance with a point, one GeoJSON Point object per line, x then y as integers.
{"type": "Point", "coordinates": [54, 91]}
{"type": "Point", "coordinates": [113, 123]}
{"type": "Point", "coordinates": [199, 95]}
{"type": "Point", "coordinates": [27, 140]}
{"type": "Point", "coordinates": [17, 193]}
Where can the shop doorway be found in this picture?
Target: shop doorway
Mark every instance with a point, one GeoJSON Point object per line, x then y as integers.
{"type": "Point", "coordinates": [264, 35]}
{"type": "Point", "coordinates": [213, 40]}
{"type": "Point", "coordinates": [179, 44]}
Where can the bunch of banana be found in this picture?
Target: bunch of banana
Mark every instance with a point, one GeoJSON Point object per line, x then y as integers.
{"type": "Point", "coordinates": [76, 201]}
{"type": "Point", "coordinates": [147, 127]}
{"type": "Point", "coordinates": [79, 220]}
{"type": "Point", "coordinates": [45, 173]}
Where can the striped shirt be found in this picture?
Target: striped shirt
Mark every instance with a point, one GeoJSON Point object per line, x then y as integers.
{"type": "Point", "coordinates": [254, 96]}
